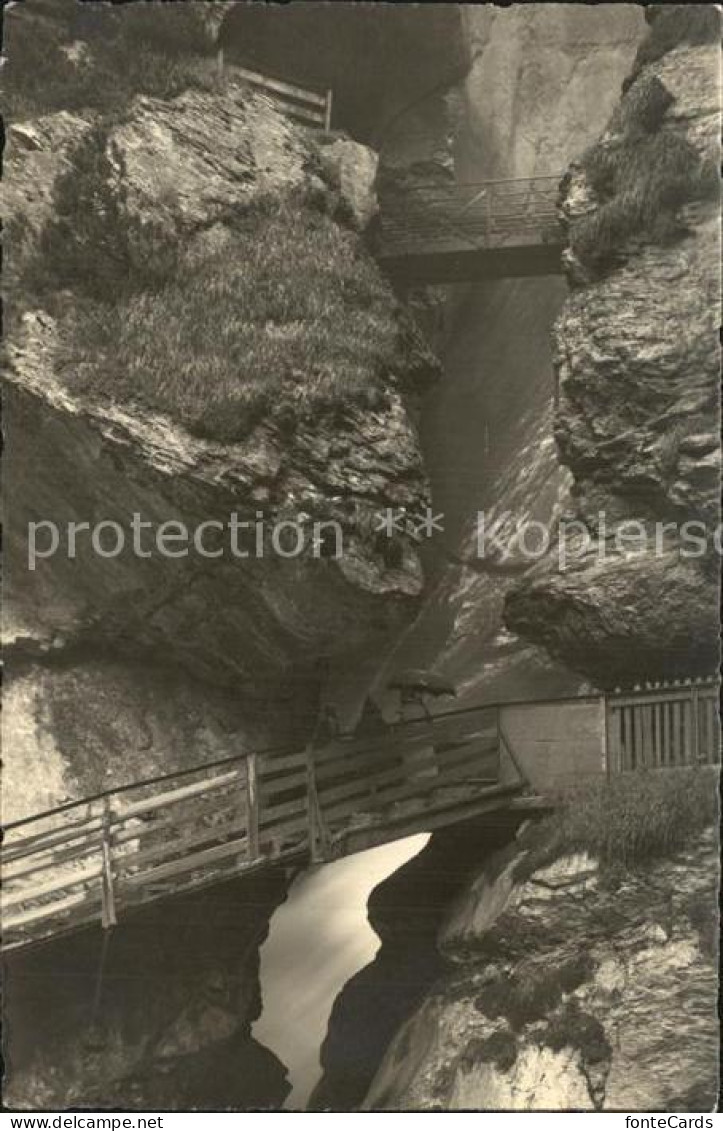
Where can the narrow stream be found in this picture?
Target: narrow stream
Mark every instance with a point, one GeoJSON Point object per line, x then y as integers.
{"type": "Point", "coordinates": [318, 939]}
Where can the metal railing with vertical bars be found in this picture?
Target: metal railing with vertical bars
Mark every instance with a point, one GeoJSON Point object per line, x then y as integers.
{"type": "Point", "coordinates": [469, 215]}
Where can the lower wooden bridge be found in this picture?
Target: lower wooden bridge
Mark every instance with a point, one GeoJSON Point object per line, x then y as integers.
{"type": "Point", "coordinates": [97, 859]}
{"type": "Point", "coordinates": [453, 232]}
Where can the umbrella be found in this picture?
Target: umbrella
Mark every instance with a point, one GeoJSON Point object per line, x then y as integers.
{"type": "Point", "coordinates": [419, 682]}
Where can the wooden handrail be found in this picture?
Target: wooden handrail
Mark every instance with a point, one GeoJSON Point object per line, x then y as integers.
{"type": "Point", "coordinates": [295, 755]}
{"type": "Point", "coordinates": [302, 94]}
{"type": "Point", "coordinates": [265, 807]}
{"type": "Point", "coordinates": [303, 103]}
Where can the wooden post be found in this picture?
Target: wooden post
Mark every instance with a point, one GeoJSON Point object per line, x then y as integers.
{"type": "Point", "coordinates": [695, 725]}
{"type": "Point", "coordinates": [676, 729]}
{"type": "Point", "coordinates": [605, 728]}
{"type": "Point", "coordinates": [327, 111]}
{"type": "Point", "coordinates": [252, 807]}
{"type": "Point", "coordinates": [688, 735]}
{"type": "Point", "coordinates": [311, 809]}
{"type": "Point", "coordinates": [108, 914]}
{"type": "Point", "coordinates": [319, 845]}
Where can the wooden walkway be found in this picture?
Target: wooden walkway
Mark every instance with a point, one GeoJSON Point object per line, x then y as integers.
{"type": "Point", "coordinates": [99, 858]}
{"type": "Point", "coordinates": [461, 232]}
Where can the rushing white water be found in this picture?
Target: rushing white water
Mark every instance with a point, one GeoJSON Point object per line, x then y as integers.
{"type": "Point", "coordinates": [318, 939]}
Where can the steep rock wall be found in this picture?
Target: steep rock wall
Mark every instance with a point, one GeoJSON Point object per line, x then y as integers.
{"type": "Point", "coordinates": [406, 911]}
{"type": "Point", "coordinates": [637, 420]}
{"type": "Point", "coordinates": [257, 624]}
{"type": "Point", "coordinates": [562, 993]}
{"type": "Point", "coordinates": [374, 67]}
{"type": "Point", "coordinates": [155, 1014]}
{"type": "Point", "coordinates": [127, 666]}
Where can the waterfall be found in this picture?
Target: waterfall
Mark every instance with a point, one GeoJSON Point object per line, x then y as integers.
{"type": "Point", "coordinates": [318, 939]}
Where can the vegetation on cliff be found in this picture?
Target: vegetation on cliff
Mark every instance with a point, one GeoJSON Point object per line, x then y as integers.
{"type": "Point", "coordinates": [628, 820]}
{"type": "Point", "coordinates": [281, 313]}
{"type": "Point", "coordinates": [638, 380]}
{"type": "Point", "coordinates": [671, 26]}
{"type": "Point", "coordinates": [642, 172]}
{"type": "Point", "coordinates": [261, 303]}
{"type": "Point", "coordinates": [581, 967]}
{"type": "Point", "coordinates": [67, 56]}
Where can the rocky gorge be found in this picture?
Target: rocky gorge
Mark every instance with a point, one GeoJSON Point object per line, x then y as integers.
{"type": "Point", "coordinates": [158, 251]}
{"type": "Point", "coordinates": [559, 992]}
{"type": "Point", "coordinates": [617, 344]}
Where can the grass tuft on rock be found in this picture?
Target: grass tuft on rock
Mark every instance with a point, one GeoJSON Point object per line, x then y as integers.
{"type": "Point", "coordinates": [282, 316]}
{"type": "Point", "coordinates": [70, 56]}
{"type": "Point", "coordinates": [642, 176]}
{"type": "Point", "coordinates": [631, 819]}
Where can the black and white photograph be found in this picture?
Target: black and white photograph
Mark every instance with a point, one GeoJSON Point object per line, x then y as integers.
{"type": "Point", "coordinates": [362, 555]}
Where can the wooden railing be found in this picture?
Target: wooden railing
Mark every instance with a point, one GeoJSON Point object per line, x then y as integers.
{"type": "Point", "coordinates": [309, 107]}
{"type": "Point", "coordinates": [93, 859]}
{"type": "Point", "coordinates": [663, 725]}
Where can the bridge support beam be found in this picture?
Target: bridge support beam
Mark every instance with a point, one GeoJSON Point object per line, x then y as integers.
{"type": "Point", "coordinates": [418, 267]}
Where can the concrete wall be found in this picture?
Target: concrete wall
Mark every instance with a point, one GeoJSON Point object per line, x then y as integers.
{"type": "Point", "coordinates": [556, 743]}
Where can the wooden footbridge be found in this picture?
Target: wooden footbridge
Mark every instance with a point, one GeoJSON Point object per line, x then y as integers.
{"type": "Point", "coordinates": [97, 859]}
{"type": "Point", "coordinates": [442, 233]}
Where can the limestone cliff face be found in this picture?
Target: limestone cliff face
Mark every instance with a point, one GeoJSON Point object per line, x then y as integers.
{"type": "Point", "coordinates": [125, 666]}
{"type": "Point", "coordinates": [563, 994]}
{"type": "Point", "coordinates": [636, 355]}
{"type": "Point", "coordinates": [256, 625]}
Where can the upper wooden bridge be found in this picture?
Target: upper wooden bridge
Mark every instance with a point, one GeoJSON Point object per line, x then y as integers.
{"type": "Point", "coordinates": [440, 231]}
{"type": "Point", "coordinates": [95, 859]}
{"type": "Point", "coordinates": [444, 233]}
